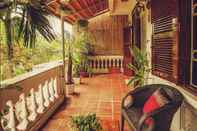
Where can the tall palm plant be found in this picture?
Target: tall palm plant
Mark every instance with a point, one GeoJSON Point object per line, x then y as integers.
{"type": "Point", "coordinates": [34, 19]}
{"type": "Point", "coordinates": [32, 15]}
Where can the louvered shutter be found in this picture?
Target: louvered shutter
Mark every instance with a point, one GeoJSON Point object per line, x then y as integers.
{"type": "Point", "coordinates": [165, 48]}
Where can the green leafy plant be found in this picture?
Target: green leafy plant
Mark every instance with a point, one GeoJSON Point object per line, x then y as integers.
{"type": "Point", "coordinates": [85, 123]}
{"type": "Point", "coordinates": [139, 67]}
{"type": "Point", "coordinates": [81, 52]}
{"type": "Point", "coordinates": [27, 18]}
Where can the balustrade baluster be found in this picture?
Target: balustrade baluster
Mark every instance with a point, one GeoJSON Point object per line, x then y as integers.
{"type": "Point", "coordinates": [8, 119]}
{"type": "Point", "coordinates": [31, 102]}
{"type": "Point", "coordinates": [55, 88]}
{"type": "Point", "coordinates": [46, 94]}
{"type": "Point", "coordinates": [104, 63]}
{"type": "Point", "coordinates": [109, 63]}
{"type": "Point", "coordinates": [40, 99]}
{"type": "Point", "coordinates": [51, 90]}
{"type": "Point", "coordinates": [100, 63]}
{"type": "Point", "coordinates": [21, 113]}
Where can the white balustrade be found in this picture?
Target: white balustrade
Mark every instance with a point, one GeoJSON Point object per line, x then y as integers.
{"type": "Point", "coordinates": [27, 107]}
{"type": "Point", "coordinates": [102, 64]}
{"type": "Point", "coordinates": [40, 97]}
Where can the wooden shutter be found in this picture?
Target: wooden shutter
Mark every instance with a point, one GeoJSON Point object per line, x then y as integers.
{"type": "Point", "coordinates": [165, 48]}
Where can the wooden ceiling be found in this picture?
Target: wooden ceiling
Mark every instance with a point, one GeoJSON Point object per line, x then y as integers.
{"type": "Point", "coordinates": [81, 9]}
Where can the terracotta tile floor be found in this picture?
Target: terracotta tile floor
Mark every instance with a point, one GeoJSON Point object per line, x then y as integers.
{"type": "Point", "coordinates": [100, 94]}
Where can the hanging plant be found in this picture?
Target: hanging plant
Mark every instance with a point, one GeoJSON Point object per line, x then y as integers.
{"type": "Point", "coordinates": [82, 23]}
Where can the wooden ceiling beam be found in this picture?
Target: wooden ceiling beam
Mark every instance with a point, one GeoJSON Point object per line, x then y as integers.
{"type": "Point", "coordinates": [74, 10]}
{"type": "Point", "coordinates": [68, 20]}
{"type": "Point", "coordinates": [91, 6]}
{"type": "Point", "coordinates": [53, 10]}
{"type": "Point", "coordinates": [99, 5]}
{"type": "Point", "coordinates": [94, 6]}
{"type": "Point", "coordinates": [49, 2]}
{"type": "Point", "coordinates": [82, 9]}
{"type": "Point", "coordinates": [87, 6]}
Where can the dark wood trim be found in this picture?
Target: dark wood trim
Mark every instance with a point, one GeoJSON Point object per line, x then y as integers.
{"type": "Point", "coordinates": [185, 42]}
{"type": "Point", "coordinates": [136, 25]}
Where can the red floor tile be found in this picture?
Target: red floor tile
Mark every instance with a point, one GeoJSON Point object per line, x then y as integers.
{"type": "Point", "coordinates": [100, 94]}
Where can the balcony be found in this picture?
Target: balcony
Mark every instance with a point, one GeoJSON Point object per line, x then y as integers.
{"type": "Point", "coordinates": [40, 98]}
{"type": "Point", "coordinates": [92, 96]}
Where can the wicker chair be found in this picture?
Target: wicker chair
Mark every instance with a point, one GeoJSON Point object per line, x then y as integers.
{"type": "Point", "coordinates": [162, 117]}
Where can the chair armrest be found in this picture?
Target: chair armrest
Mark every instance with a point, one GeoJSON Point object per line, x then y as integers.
{"type": "Point", "coordinates": [132, 94]}
{"type": "Point", "coordinates": [151, 115]}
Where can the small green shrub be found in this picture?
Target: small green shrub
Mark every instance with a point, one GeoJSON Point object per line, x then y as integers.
{"type": "Point", "coordinates": [85, 123]}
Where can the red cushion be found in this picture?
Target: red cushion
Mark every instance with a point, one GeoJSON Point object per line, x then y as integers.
{"type": "Point", "coordinates": [151, 104]}
{"type": "Point", "coordinates": [155, 101]}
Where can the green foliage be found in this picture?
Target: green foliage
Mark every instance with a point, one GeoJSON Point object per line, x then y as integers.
{"type": "Point", "coordinates": [139, 67]}
{"type": "Point", "coordinates": [81, 52]}
{"type": "Point", "coordinates": [34, 19]}
{"type": "Point", "coordinates": [85, 123]}
{"type": "Point", "coordinates": [25, 58]}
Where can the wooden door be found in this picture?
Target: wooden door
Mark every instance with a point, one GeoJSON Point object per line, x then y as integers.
{"type": "Point", "coordinates": [127, 54]}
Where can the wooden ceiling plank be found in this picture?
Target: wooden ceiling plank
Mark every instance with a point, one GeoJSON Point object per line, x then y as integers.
{"type": "Point", "coordinates": [53, 10]}
{"type": "Point", "coordinates": [75, 11]}
{"type": "Point", "coordinates": [82, 9]}
{"type": "Point", "coordinates": [68, 20]}
{"type": "Point", "coordinates": [99, 4]}
{"type": "Point", "coordinates": [49, 2]}
{"type": "Point", "coordinates": [93, 6]}
{"type": "Point", "coordinates": [85, 10]}
{"type": "Point", "coordinates": [87, 6]}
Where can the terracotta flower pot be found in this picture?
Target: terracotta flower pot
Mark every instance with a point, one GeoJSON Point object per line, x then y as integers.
{"type": "Point", "coordinates": [70, 89]}
{"type": "Point", "coordinates": [83, 74]}
{"type": "Point", "coordinates": [77, 80]}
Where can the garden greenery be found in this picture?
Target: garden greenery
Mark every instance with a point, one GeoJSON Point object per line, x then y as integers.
{"type": "Point", "coordinates": [25, 58]}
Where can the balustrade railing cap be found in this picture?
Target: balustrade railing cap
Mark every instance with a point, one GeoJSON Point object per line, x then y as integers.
{"type": "Point", "coordinates": [43, 68]}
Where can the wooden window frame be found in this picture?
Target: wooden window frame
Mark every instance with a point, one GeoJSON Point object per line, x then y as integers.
{"type": "Point", "coordinates": [193, 14]}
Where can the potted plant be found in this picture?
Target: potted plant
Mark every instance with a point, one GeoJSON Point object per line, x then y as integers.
{"type": "Point", "coordinates": [81, 54]}
{"type": "Point", "coordinates": [139, 67]}
{"type": "Point", "coordinates": [69, 84]}
{"type": "Point", "coordinates": [76, 70]}
{"type": "Point", "coordinates": [76, 77]}
{"type": "Point", "coordinates": [85, 123]}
